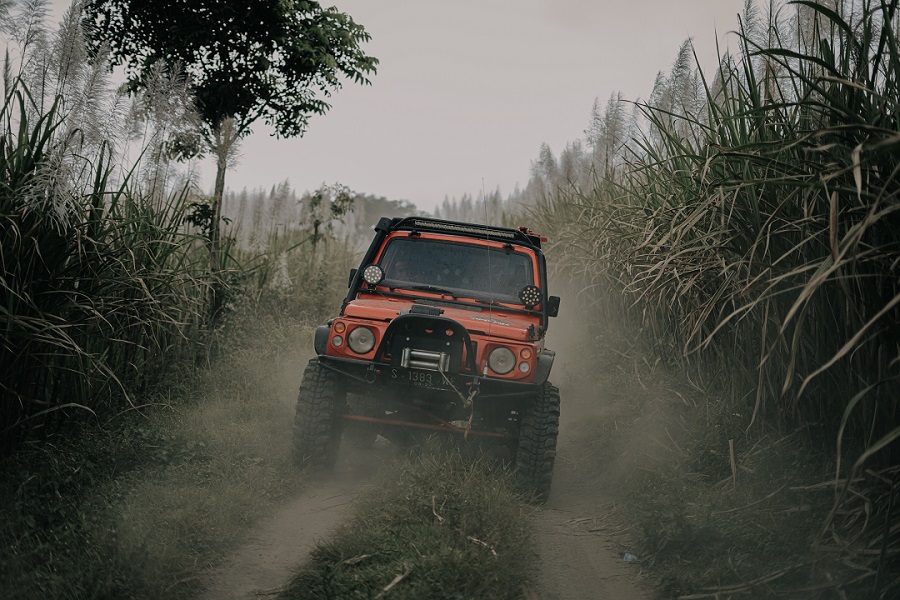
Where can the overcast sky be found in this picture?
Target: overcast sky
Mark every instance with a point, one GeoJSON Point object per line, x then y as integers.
{"type": "Point", "coordinates": [468, 90]}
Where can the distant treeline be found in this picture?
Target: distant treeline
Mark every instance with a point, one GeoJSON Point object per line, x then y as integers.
{"type": "Point", "coordinates": [254, 216]}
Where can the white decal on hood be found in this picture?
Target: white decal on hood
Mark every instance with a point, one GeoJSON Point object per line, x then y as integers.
{"type": "Point", "coordinates": [492, 321]}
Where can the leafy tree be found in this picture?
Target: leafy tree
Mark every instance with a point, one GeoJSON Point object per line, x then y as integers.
{"type": "Point", "coordinates": [271, 59]}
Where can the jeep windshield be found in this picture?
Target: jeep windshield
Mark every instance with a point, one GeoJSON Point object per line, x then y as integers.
{"type": "Point", "coordinates": [461, 270]}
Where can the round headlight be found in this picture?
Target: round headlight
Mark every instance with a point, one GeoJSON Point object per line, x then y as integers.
{"type": "Point", "coordinates": [530, 296]}
{"type": "Point", "coordinates": [373, 274]}
{"type": "Point", "coordinates": [361, 340]}
{"type": "Point", "coordinates": [501, 360]}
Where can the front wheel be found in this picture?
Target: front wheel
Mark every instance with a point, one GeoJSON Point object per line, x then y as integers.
{"type": "Point", "coordinates": [536, 446]}
{"type": "Point", "coordinates": [317, 421]}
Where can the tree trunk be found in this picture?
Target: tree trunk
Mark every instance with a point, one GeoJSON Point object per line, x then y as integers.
{"type": "Point", "coordinates": [226, 136]}
{"type": "Point", "coordinates": [217, 284]}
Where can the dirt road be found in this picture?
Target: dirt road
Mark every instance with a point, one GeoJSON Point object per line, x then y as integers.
{"type": "Point", "coordinates": [281, 541]}
{"type": "Point", "coordinates": [579, 557]}
{"type": "Point", "coordinates": [580, 553]}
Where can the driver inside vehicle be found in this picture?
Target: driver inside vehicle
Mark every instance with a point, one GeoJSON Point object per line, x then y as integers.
{"type": "Point", "coordinates": [402, 269]}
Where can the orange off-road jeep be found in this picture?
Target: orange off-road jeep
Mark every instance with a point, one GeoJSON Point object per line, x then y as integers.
{"type": "Point", "coordinates": [442, 330]}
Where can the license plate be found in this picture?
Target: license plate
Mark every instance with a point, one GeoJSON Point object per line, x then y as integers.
{"type": "Point", "coordinates": [419, 378]}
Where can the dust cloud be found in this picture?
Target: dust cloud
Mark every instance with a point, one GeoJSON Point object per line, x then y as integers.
{"type": "Point", "coordinates": [607, 430]}
{"type": "Point", "coordinates": [614, 417]}
{"type": "Point", "coordinates": [611, 424]}
{"type": "Point", "coordinates": [268, 554]}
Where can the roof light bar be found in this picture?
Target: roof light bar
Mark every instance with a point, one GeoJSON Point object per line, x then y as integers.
{"type": "Point", "coordinates": [495, 233]}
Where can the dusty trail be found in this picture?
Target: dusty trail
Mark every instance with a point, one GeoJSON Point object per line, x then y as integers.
{"type": "Point", "coordinates": [577, 556]}
{"type": "Point", "coordinates": [579, 553]}
{"type": "Point", "coordinates": [282, 540]}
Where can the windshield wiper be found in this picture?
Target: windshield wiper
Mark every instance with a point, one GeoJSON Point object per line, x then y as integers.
{"type": "Point", "coordinates": [432, 288]}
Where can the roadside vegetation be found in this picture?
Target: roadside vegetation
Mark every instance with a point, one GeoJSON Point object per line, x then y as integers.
{"type": "Point", "coordinates": [102, 286]}
{"type": "Point", "coordinates": [445, 523]}
{"type": "Point", "coordinates": [139, 438]}
{"type": "Point", "coordinates": [744, 222]}
{"type": "Point", "coordinates": [143, 504]}
{"type": "Point", "coordinates": [653, 445]}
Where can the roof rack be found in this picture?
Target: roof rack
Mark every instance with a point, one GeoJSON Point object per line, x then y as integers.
{"type": "Point", "coordinates": [514, 236]}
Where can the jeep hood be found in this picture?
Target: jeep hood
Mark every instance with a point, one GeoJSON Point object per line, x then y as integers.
{"type": "Point", "coordinates": [484, 320]}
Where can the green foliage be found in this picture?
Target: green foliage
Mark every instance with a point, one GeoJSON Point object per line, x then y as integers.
{"type": "Point", "coordinates": [98, 287]}
{"type": "Point", "coordinates": [293, 258]}
{"type": "Point", "coordinates": [765, 238]}
{"type": "Point", "coordinates": [273, 60]}
{"type": "Point", "coordinates": [444, 526]}
{"type": "Point", "coordinates": [270, 60]}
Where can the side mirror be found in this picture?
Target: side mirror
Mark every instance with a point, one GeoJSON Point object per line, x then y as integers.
{"type": "Point", "coordinates": [352, 275]}
{"type": "Point", "coordinates": [553, 306]}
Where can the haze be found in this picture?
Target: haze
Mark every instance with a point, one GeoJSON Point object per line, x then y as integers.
{"type": "Point", "coordinates": [467, 91]}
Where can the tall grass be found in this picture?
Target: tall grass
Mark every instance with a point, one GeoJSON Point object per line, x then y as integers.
{"type": "Point", "coordinates": [756, 236]}
{"type": "Point", "coordinates": [99, 285]}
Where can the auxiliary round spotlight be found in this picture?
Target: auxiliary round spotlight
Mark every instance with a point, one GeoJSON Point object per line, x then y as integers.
{"type": "Point", "coordinates": [373, 274]}
{"type": "Point", "coordinates": [530, 296]}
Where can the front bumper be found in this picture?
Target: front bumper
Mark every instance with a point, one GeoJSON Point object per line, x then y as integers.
{"type": "Point", "coordinates": [366, 373]}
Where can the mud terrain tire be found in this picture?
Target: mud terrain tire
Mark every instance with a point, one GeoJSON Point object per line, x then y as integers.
{"type": "Point", "coordinates": [317, 421]}
{"type": "Point", "coordinates": [536, 448]}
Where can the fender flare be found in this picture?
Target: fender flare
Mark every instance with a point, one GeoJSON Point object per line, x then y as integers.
{"type": "Point", "coordinates": [321, 340]}
{"type": "Point", "coordinates": [544, 364]}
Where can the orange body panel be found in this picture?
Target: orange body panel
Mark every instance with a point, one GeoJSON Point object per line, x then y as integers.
{"type": "Point", "coordinates": [487, 327]}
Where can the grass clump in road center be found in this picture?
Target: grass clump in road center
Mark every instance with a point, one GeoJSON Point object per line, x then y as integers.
{"type": "Point", "coordinates": [444, 524]}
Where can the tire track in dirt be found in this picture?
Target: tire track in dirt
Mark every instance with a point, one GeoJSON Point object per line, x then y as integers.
{"type": "Point", "coordinates": [578, 546]}
{"type": "Point", "coordinates": [579, 549]}
{"type": "Point", "coordinates": [280, 542]}
{"type": "Point", "coordinates": [578, 557]}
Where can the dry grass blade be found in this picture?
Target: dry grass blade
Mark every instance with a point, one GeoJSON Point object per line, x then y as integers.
{"type": "Point", "coordinates": [393, 583]}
